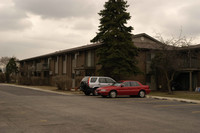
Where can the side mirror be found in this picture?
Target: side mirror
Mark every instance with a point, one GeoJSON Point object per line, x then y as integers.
{"type": "Point", "coordinates": [122, 85]}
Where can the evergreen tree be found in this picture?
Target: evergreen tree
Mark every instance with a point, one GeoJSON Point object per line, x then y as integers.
{"type": "Point", "coordinates": [117, 53]}
{"type": "Point", "coordinates": [11, 68]}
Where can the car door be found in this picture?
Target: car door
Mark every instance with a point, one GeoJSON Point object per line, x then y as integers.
{"type": "Point", "coordinates": [135, 88]}
{"type": "Point", "coordinates": [124, 89]}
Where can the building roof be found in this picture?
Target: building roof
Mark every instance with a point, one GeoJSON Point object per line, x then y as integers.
{"type": "Point", "coordinates": [137, 39]}
{"type": "Point", "coordinates": [76, 49]}
{"type": "Point", "coordinates": [89, 46]}
{"type": "Point", "coordinates": [192, 46]}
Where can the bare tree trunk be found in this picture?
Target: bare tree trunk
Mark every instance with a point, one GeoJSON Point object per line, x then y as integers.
{"type": "Point", "coordinates": [169, 82]}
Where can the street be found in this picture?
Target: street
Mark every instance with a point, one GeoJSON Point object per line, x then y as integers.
{"type": "Point", "coordinates": [30, 111]}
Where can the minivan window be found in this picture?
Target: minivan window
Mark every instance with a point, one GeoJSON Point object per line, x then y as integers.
{"type": "Point", "coordinates": [102, 80]}
{"type": "Point", "coordinates": [110, 80]}
{"type": "Point", "coordinates": [93, 80]}
{"type": "Point", "coordinates": [85, 79]}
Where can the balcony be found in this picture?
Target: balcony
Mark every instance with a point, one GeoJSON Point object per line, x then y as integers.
{"type": "Point", "coordinates": [45, 67]}
{"type": "Point", "coordinates": [22, 69]}
{"type": "Point", "coordinates": [190, 64]}
{"type": "Point", "coordinates": [42, 67]}
{"type": "Point", "coordinates": [31, 68]}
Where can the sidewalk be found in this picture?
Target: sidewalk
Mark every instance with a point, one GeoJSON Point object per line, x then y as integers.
{"type": "Point", "coordinates": [175, 99]}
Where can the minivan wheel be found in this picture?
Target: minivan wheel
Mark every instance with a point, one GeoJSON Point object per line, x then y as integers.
{"type": "Point", "coordinates": [87, 93]}
{"type": "Point", "coordinates": [94, 93]}
{"type": "Point", "coordinates": [142, 94]}
{"type": "Point", "coordinates": [113, 94]}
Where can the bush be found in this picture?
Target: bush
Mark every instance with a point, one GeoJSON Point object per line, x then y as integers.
{"type": "Point", "coordinates": [2, 78]}
{"type": "Point", "coordinates": [24, 81]}
{"type": "Point", "coordinates": [60, 83]}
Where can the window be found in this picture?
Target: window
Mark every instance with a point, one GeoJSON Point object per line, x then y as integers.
{"type": "Point", "coordinates": [109, 80]}
{"type": "Point", "coordinates": [46, 73]}
{"type": "Point", "coordinates": [126, 84]}
{"type": "Point", "coordinates": [56, 65]}
{"type": "Point", "coordinates": [134, 83]}
{"type": "Point", "coordinates": [102, 80]}
{"type": "Point", "coordinates": [64, 62]}
{"type": "Point", "coordinates": [89, 59]}
{"type": "Point", "coordinates": [148, 56]}
{"type": "Point", "coordinates": [93, 80]}
{"type": "Point", "coordinates": [85, 79]}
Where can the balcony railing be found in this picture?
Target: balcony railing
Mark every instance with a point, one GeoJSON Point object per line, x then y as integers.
{"type": "Point", "coordinates": [42, 67]}
{"type": "Point", "coordinates": [190, 64]}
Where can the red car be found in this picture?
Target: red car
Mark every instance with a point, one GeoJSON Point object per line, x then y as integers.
{"type": "Point", "coordinates": [124, 88]}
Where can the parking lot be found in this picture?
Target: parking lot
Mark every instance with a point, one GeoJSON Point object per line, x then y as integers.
{"type": "Point", "coordinates": [25, 110]}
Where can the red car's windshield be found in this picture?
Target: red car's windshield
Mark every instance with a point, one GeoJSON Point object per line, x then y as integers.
{"type": "Point", "coordinates": [117, 84]}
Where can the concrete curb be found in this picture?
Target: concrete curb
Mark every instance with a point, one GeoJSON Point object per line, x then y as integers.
{"type": "Point", "coordinates": [175, 99]}
{"type": "Point", "coordinates": [38, 89]}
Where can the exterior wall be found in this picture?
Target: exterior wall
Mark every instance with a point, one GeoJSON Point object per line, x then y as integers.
{"type": "Point", "coordinates": [74, 72]}
{"type": "Point", "coordinates": [142, 65]}
{"type": "Point", "coordinates": [77, 67]}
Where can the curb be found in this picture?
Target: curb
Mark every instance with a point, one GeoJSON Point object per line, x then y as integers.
{"type": "Point", "coordinates": [175, 99]}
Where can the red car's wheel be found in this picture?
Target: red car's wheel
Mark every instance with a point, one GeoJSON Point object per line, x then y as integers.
{"type": "Point", "coordinates": [142, 94]}
{"type": "Point", "coordinates": [113, 94]}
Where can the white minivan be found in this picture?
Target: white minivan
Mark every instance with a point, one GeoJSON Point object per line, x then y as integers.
{"type": "Point", "coordinates": [90, 83]}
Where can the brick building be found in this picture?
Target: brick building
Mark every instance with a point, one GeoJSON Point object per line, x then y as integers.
{"type": "Point", "coordinates": [68, 67]}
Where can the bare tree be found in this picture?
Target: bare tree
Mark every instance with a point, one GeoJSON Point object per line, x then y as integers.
{"type": "Point", "coordinates": [168, 58]}
{"type": "Point", "coordinates": [4, 61]}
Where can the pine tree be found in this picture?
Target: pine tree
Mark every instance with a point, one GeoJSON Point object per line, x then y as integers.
{"type": "Point", "coordinates": [11, 68]}
{"type": "Point", "coordinates": [117, 53]}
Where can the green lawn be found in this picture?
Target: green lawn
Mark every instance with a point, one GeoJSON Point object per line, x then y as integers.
{"type": "Point", "coordinates": [178, 94]}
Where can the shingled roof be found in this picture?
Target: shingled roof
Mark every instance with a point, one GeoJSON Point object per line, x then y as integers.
{"type": "Point", "coordinates": [137, 39]}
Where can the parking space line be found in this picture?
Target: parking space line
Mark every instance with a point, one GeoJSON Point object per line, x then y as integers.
{"type": "Point", "coordinates": [176, 105]}
{"type": "Point", "coordinates": [195, 112]}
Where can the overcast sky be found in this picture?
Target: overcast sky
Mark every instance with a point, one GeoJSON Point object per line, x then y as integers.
{"type": "Point", "coordinates": [31, 28]}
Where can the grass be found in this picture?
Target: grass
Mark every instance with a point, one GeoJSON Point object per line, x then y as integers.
{"type": "Point", "coordinates": [178, 94]}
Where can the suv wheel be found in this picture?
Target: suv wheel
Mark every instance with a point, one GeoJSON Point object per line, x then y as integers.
{"type": "Point", "coordinates": [87, 93]}
{"type": "Point", "coordinates": [94, 93]}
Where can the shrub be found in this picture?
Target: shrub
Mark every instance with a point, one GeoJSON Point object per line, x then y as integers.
{"type": "Point", "coordinates": [2, 78]}
{"type": "Point", "coordinates": [60, 83]}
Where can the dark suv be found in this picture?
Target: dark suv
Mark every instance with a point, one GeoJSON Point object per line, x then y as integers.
{"type": "Point", "coordinates": [90, 83]}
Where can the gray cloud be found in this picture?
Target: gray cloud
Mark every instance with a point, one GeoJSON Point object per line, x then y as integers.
{"type": "Point", "coordinates": [191, 17]}
{"type": "Point", "coordinates": [166, 17]}
{"type": "Point", "coordinates": [57, 8]}
{"type": "Point", "coordinates": [13, 19]}
{"type": "Point", "coordinates": [34, 27]}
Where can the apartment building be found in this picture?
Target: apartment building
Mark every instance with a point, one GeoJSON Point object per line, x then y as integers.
{"type": "Point", "coordinates": [68, 67]}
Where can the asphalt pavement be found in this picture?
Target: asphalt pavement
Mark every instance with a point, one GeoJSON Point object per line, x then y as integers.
{"type": "Point", "coordinates": [30, 110]}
